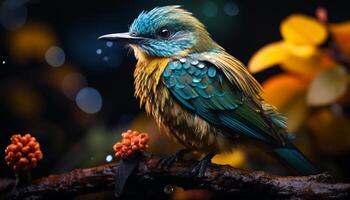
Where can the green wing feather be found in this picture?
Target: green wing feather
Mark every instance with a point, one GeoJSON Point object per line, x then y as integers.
{"type": "Point", "coordinates": [204, 89]}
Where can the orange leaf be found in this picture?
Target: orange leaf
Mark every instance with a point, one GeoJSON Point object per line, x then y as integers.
{"type": "Point", "coordinates": [267, 57]}
{"type": "Point", "coordinates": [287, 93]}
{"type": "Point", "coordinates": [303, 30]}
{"type": "Point", "coordinates": [341, 34]}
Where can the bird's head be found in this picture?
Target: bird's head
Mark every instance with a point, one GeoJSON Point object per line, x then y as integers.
{"type": "Point", "coordinates": [165, 32]}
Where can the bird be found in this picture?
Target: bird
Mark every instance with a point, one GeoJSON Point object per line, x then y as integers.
{"type": "Point", "coordinates": [199, 94]}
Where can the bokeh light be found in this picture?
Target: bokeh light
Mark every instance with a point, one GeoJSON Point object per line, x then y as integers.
{"type": "Point", "coordinates": [72, 83]}
{"type": "Point", "coordinates": [55, 56]}
{"type": "Point", "coordinates": [13, 17]}
{"type": "Point", "coordinates": [31, 42]}
{"type": "Point", "coordinates": [210, 9]}
{"type": "Point", "coordinates": [109, 44]}
{"type": "Point", "coordinates": [231, 9]}
{"type": "Point", "coordinates": [89, 100]}
{"type": "Point", "coordinates": [109, 158]}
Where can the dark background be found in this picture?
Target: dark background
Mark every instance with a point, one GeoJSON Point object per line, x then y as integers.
{"type": "Point", "coordinates": [71, 138]}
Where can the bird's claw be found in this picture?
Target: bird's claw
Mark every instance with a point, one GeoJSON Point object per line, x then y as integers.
{"type": "Point", "coordinates": [199, 169]}
{"type": "Point", "coordinates": [166, 162]}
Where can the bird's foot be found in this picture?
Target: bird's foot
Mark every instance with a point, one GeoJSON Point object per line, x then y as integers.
{"type": "Point", "coordinates": [199, 169]}
{"type": "Point", "coordinates": [167, 161]}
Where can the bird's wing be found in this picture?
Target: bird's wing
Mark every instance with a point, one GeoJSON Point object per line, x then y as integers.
{"type": "Point", "coordinates": [201, 86]}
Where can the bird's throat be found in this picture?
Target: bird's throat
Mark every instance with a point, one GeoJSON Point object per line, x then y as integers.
{"type": "Point", "coordinates": [147, 74]}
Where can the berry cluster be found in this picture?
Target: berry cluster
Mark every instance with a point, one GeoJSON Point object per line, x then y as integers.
{"type": "Point", "coordinates": [23, 153]}
{"type": "Point", "coordinates": [131, 141]}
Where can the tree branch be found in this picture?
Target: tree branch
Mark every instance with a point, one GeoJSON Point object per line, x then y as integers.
{"type": "Point", "coordinates": [219, 179]}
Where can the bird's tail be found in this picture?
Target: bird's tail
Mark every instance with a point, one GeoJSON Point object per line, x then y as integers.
{"type": "Point", "coordinates": [296, 160]}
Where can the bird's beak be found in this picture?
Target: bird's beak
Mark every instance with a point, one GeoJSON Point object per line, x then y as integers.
{"type": "Point", "coordinates": [122, 37]}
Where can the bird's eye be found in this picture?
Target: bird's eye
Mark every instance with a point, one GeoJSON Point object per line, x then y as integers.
{"type": "Point", "coordinates": [163, 34]}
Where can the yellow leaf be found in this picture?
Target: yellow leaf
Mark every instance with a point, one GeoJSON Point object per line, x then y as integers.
{"type": "Point", "coordinates": [268, 56]}
{"type": "Point", "coordinates": [327, 87]}
{"type": "Point", "coordinates": [303, 30]}
{"type": "Point", "coordinates": [304, 51]}
{"type": "Point", "coordinates": [302, 59]}
{"type": "Point", "coordinates": [341, 34]}
{"type": "Point", "coordinates": [236, 159]}
{"type": "Point", "coordinates": [308, 66]}
{"type": "Point", "coordinates": [287, 93]}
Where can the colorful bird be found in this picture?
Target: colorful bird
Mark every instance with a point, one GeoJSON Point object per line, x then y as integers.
{"type": "Point", "coordinates": [199, 94]}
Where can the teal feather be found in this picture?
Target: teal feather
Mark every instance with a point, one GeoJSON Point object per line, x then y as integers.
{"type": "Point", "coordinates": [218, 95]}
{"type": "Point", "coordinates": [293, 158]}
{"type": "Point", "coordinates": [183, 101]}
{"type": "Point", "coordinates": [219, 98]}
{"type": "Point", "coordinates": [211, 72]}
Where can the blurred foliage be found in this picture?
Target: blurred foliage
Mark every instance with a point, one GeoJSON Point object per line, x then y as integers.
{"type": "Point", "coordinates": [312, 89]}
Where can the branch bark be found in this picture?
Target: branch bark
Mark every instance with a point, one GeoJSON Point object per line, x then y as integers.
{"type": "Point", "coordinates": [223, 180]}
